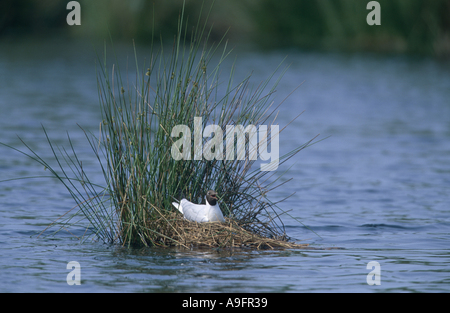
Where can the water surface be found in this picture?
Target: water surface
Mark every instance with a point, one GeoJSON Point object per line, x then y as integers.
{"type": "Point", "coordinates": [378, 187]}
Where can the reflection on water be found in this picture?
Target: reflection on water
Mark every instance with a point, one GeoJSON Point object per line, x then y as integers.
{"type": "Point", "coordinates": [378, 187]}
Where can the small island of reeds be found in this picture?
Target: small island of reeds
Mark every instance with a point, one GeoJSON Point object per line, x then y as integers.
{"type": "Point", "coordinates": [139, 156]}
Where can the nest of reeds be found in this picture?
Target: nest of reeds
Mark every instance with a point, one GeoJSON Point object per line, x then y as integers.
{"type": "Point", "coordinates": [177, 231]}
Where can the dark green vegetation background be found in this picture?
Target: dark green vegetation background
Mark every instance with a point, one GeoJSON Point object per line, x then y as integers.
{"type": "Point", "coordinates": [407, 26]}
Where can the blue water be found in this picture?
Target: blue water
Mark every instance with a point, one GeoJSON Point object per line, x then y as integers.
{"type": "Point", "coordinates": [378, 186]}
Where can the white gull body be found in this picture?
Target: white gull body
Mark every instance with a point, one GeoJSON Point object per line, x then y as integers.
{"type": "Point", "coordinates": [201, 213]}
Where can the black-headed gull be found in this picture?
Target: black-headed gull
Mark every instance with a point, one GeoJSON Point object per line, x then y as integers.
{"type": "Point", "coordinates": [201, 213]}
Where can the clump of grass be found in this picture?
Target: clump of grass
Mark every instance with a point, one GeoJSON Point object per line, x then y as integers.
{"type": "Point", "coordinates": [134, 152]}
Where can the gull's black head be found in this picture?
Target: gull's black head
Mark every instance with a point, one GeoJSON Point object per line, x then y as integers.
{"type": "Point", "coordinates": [211, 197]}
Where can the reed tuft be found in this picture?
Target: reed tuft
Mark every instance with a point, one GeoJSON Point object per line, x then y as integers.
{"type": "Point", "coordinates": [141, 176]}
